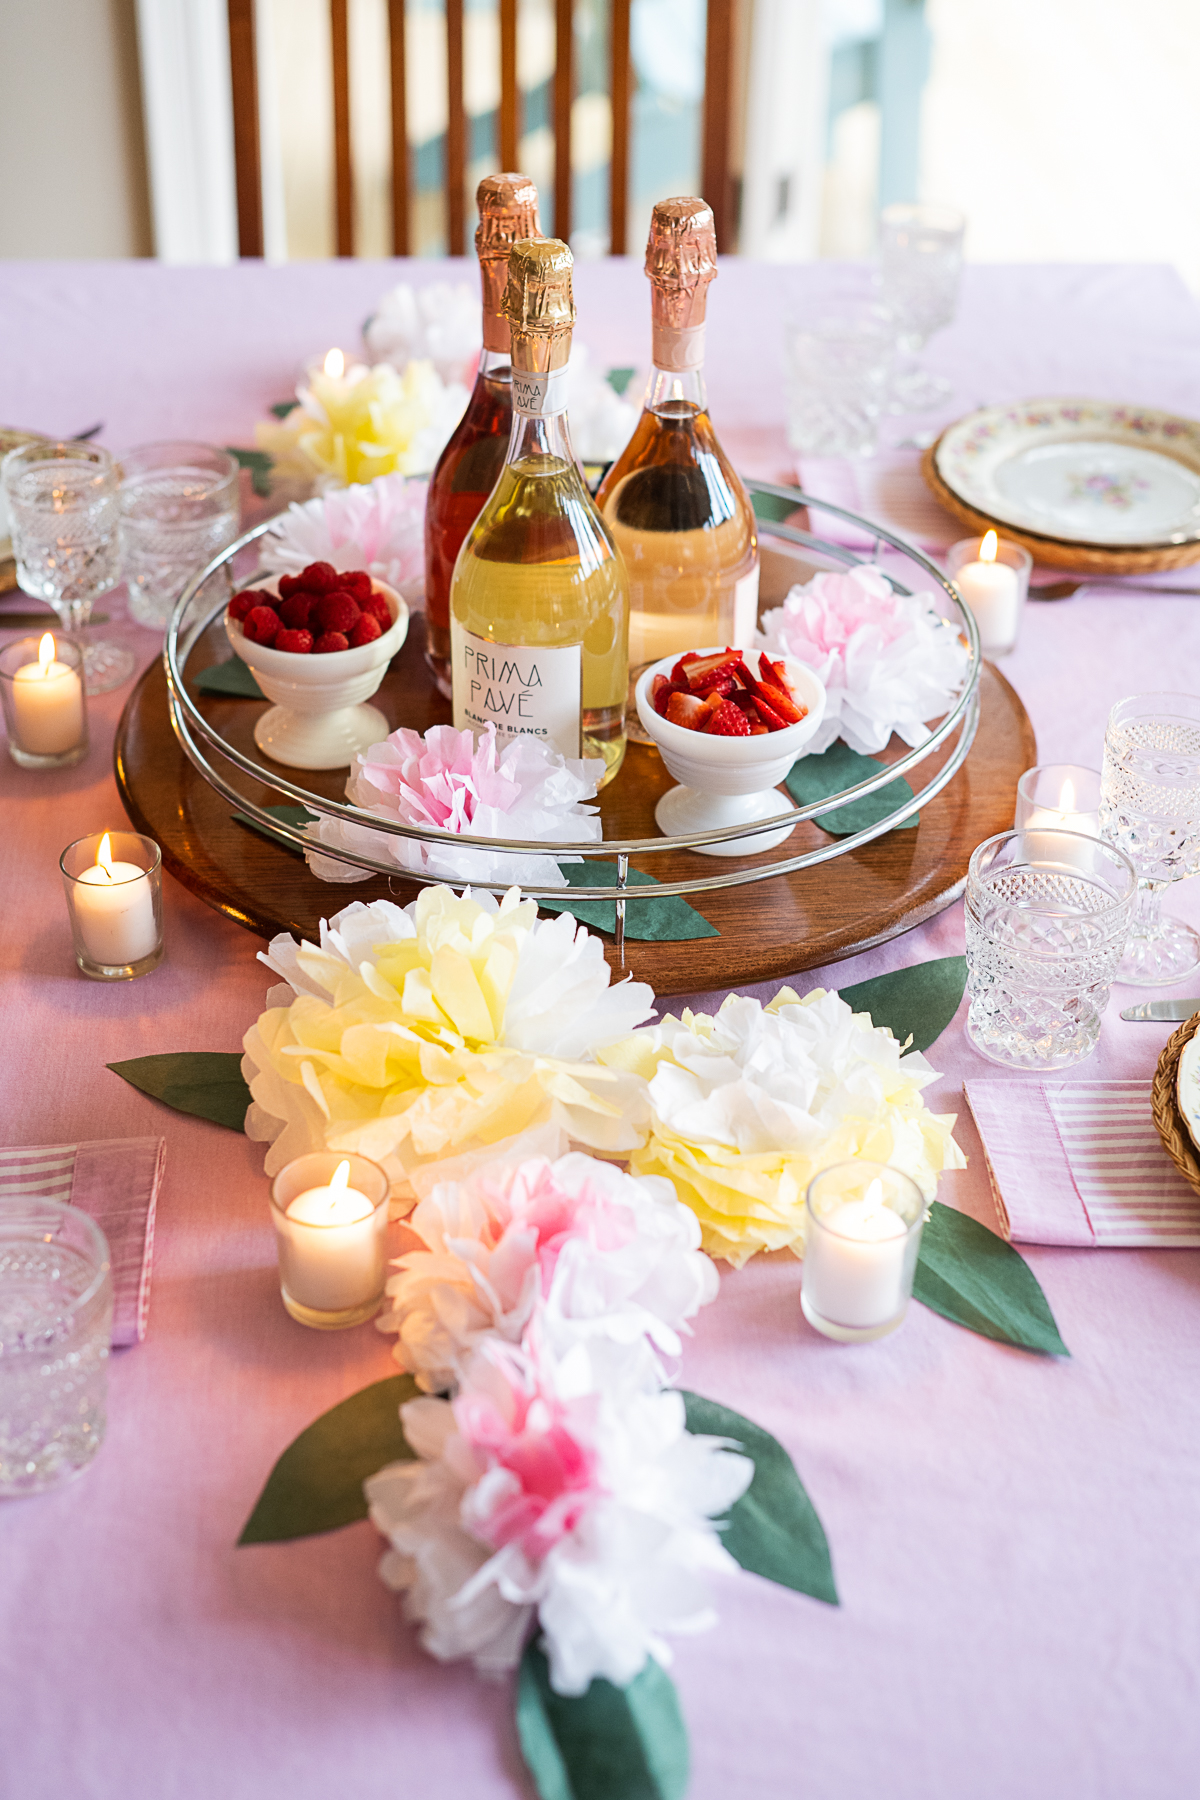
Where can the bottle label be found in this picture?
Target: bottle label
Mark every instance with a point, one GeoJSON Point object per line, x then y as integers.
{"type": "Point", "coordinates": [533, 691]}
{"type": "Point", "coordinates": [745, 608]}
{"type": "Point", "coordinates": [678, 348]}
{"type": "Point", "coordinates": [541, 393]}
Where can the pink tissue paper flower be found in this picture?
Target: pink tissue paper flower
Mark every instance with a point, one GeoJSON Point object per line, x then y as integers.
{"type": "Point", "coordinates": [378, 526]}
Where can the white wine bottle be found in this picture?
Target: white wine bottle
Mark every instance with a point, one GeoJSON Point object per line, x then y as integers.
{"type": "Point", "coordinates": [539, 603]}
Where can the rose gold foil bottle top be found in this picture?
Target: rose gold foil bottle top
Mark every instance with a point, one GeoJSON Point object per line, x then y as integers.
{"type": "Point", "coordinates": [508, 212]}
{"type": "Point", "coordinates": [538, 304]}
{"type": "Point", "coordinates": [681, 260]}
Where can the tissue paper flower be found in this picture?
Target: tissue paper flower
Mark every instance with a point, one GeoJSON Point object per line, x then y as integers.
{"type": "Point", "coordinates": [749, 1105]}
{"type": "Point", "coordinates": [888, 661]}
{"type": "Point", "coordinates": [601, 421]}
{"type": "Point", "coordinates": [412, 1034]}
{"type": "Point", "coordinates": [379, 526]}
{"type": "Point", "coordinates": [350, 428]}
{"type": "Point", "coordinates": [559, 1484]}
{"type": "Point", "coordinates": [452, 781]}
{"type": "Point", "coordinates": [438, 323]}
{"type": "Point", "coordinates": [601, 1255]}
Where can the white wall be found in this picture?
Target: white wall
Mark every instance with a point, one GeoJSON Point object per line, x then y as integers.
{"type": "Point", "coordinates": [73, 156]}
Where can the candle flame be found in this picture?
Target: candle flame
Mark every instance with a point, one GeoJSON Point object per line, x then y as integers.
{"type": "Point", "coordinates": [104, 855]}
{"type": "Point", "coordinates": [874, 1194]}
{"type": "Point", "coordinates": [335, 365]}
{"type": "Point", "coordinates": [1066, 800]}
{"type": "Point", "coordinates": [987, 550]}
{"type": "Point", "coordinates": [45, 653]}
{"type": "Point", "coordinates": [341, 1176]}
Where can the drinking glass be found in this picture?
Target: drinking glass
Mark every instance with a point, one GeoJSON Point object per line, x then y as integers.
{"type": "Point", "coordinates": [1150, 808]}
{"type": "Point", "coordinates": [920, 263]}
{"type": "Point", "coordinates": [839, 362]}
{"type": "Point", "coordinates": [179, 509]}
{"type": "Point", "coordinates": [1047, 914]}
{"type": "Point", "coordinates": [56, 1306]}
{"type": "Point", "coordinates": [62, 503]}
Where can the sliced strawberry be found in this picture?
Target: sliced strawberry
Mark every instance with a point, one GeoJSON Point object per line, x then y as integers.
{"type": "Point", "coordinates": [698, 668]}
{"type": "Point", "coordinates": [720, 681]}
{"type": "Point", "coordinates": [772, 673]}
{"type": "Point", "coordinates": [758, 729]}
{"type": "Point", "coordinates": [300, 643]}
{"type": "Point", "coordinates": [687, 710]}
{"type": "Point", "coordinates": [330, 641]}
{"type": "Point", "coordinates": [366, 630]}
{"type": "Point", "coordinates": [728, 721]}
{"type": "Point", "coordinates": [779, 703]}
{"type": "Point", "coordinates": [660, 689]}
{"type": "Point", "coordinates": [766, 712]}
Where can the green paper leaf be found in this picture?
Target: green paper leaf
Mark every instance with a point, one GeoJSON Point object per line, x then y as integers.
{"type": "Point", "coordinates": [282, 408]}
{"type": "Point", "coordinates": [290, 815]}
{"type": "Point", "coordinates": [317, 1484]}
{"type": "Point", "coordinates": [652, 921]}
{"type": "Point", "coordinates": [972, 1277]}
{"type": "Point", "coordinates": [835, 770]}
{"type": "Point", "coordinates": [259, 464]}
{"type": "Point", "coordinates": [619, 379]}
{"type": "Point", "coordinates": [771, 507]}
{"type": "Point", "coordinates": [919, 1001]}
{"type": "Point", "coordinates": [209, 1084]}
{"type": "Point", "coordinates": [773, 1530]}
{"type": "Point", "coordinates": [608, 1744]}
{"type": "Point", "coordinates": [232, 677]}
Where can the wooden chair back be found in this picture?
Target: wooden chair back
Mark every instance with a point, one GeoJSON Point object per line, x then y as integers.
{"type": "Point", "coordinates": [716, 181]}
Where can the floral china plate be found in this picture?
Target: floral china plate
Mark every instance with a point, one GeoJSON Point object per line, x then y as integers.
{"type": "Point", "coordinates": [1082, 471]}
{"type": "Point", "coordinates": [1187, 1088]}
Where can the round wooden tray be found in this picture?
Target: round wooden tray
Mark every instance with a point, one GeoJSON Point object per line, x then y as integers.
{"type": "Point", "coordinates": [767, 929]}
{"type": "Point", "coordinates": [1164, 1104]}
{"type": "Point", "coordinates": [1086, 559]}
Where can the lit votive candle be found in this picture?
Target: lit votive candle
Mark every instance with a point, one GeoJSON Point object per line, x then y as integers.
{"type": "Point", "coordinates": [993, 579]}
{"type": "Point", "coordinates": [44, 702]}
{"type": "Point", "coordinates": [330, 1217]}
{"type": "Point", "coordinates": [863, 1236]}
{"type": "Point", "coordinates": [114, 897]}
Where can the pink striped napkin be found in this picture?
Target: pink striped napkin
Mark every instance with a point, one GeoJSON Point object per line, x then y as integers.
{"type": "Point", "coordinates": [888, 487]}
{"type": "Point", "coordinates": [1081, 1163]}
{"type": "Point", "coordinates": [116, 1182]}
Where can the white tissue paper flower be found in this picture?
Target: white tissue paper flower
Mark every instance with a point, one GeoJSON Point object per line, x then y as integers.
{"type": "Point", "coordinates": [601, 421]}
{"type": "Point", "coordinates": [378, 526]}
{"type": "Point", "coordinates": [439, 1029]}
{"type": "Point", "coordinates": [456, 782]}
{"type": "Point", "coordinates": [749, 1104]}
{"type": "Point", "coordinates": [599, 1253]}
{"type": "Point", "coordinates": [559, 1484]}
{"type": "Point", "coordinates": [888, 661]}
{"type": "Point", "coordinates": [439, 321]}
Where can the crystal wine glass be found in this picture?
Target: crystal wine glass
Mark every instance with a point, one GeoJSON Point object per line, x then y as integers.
{"type": "Point", "coordinates": [63, 508]}
{"type": "Point", "coordinates": [1150, 808]}
{"type": "Point", "coordinates": [920, 265]}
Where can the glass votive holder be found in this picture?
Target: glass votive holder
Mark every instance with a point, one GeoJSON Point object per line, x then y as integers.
{"type": "Point", "coordinates": [1065, 795]}
{"type": "Point", "coordinates": [45, 701]}
{"type": "Point", "coordinates": [992, 575]}
{"type": "Point", "coordinates": [1047, 916]}
{"type": "Point", "coordinates": [56, 1309]}
{"type": "Point", "coordinates": [113, 882]}
{"type": "Point", "coordinates": [330, 1214]}
{"type": "Point", "coordinates": [860, 1251]}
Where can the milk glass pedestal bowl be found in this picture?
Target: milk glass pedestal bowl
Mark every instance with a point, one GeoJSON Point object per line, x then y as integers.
{"type": "Point", "coordinates": [728, 781]}
{"type": "Point", "coordinates": [319, 719]}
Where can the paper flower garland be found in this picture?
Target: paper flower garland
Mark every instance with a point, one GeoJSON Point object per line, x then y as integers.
{"type": "Point", "coordinates": [366, 422]}
{"type": "Point", "coordinates": [413, 1034]}
{"type": "Point", "coordinates": [888, 661]}
{"type": "Point", "coordinates": [451, 780]}
{"type": "Point", "coordinates": [749, 1105]}
{"type": "Point", "coordinates": [597, 1253]}
{"type": "Point", "coordinates": [378, 526]}
{"type": "Point", "coordinates": [438, 323]}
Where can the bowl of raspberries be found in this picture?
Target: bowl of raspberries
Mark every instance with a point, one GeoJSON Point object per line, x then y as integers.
{"type": "Point", "coordinates": [729, 724]}
{"type": "Point", "coordinates": [318, 643]}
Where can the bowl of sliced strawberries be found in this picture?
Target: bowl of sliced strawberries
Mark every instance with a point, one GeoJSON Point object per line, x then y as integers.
{"type": "Point", "coordinates": [319, 644]}
{"type": "Point", "coordinates": [729, 724]}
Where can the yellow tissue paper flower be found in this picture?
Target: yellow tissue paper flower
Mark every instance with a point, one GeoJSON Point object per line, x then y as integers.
{"type": "Point", "coordinates": [416, 1034]}
{"type": "Point", "coordinates": [350, 428]}
{"type": "Point", "coordinates": [747, 1106]}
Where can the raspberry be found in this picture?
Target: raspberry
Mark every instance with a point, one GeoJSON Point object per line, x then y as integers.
{"type": "Point", "coordinates": [329, 641]}
{"type": "Point", "coordinates": [336, 612]}
{"type": "Point", "coordinates": [289, 585]}
{"type": "Point", "coordinates": [295, 610]}
{"type": "Point", "coordinates": [728, 721]}
{"type": "Point", "coordinates": [365, 632]}
{"type": "Point", "coordinates": [358, 583]}
{"type": "Point", "coordinates": [298, 642]}
{"type": "Point", "coordinates": [261, 625]}
{"type": "Point", "coordinates": [319, 578]}
{"type": "Point", "coordinates": [376, 607]}
{"type": "Point", "coordinates": [245, 602]}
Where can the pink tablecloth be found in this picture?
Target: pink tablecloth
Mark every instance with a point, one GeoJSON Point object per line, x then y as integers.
{"type": "Point", "coordinates": [1014, 1540]}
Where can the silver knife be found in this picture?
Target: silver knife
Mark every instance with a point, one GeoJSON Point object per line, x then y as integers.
{"type": "Point", "coordinates": [1162, 1009]}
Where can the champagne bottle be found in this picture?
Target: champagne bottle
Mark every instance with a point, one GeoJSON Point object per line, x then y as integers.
{"type": "Point", "coordinates": [678, 513]}
{"type": "Point", "coordinates": [539, 604]}
{"type": "Point", "coordinates": [470, 464]}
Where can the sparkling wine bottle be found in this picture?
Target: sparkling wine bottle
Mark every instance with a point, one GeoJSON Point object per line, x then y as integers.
{"type": "Point", "coordinates": [677, 511]}
{"type": "Point", "coordinates": [539, 604]}
{"type": "Point", "coordinates": [470, 464]}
